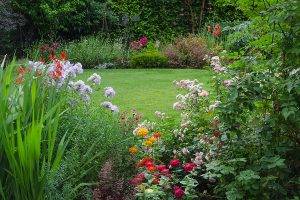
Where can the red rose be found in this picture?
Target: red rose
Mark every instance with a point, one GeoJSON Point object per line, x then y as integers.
{"type": "Point", "coordinates": [156, 181]}
{"type": "Point", "coordinates": [217, 133]}
{"type": "Point", "coordinates": [178, 192]}
{"type": "Point", "coordinates": [174, 163]}
{"type": "Point", "coordinates": [161, 167]}
{"type": "Point", "coordinates": [189, 167]}
{"type": "Point", "coordinates": [165, 171]}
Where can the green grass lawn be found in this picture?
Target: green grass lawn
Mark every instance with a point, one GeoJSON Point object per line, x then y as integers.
{"type": "Point", "coordinates": [146, 90]}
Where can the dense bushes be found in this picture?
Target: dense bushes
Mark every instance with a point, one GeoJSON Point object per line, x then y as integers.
{"type": "Point", "coordinates": [187, 52]}
{"type": "Point", "coordinates": [94, 50]}
{"type": "Point", "coordinates": [148, 59]}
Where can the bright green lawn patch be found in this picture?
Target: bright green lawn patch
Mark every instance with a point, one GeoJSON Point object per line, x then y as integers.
{"type": "Point", "coordinates": [146, 90]}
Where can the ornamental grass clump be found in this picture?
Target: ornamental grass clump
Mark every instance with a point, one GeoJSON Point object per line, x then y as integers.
{"type": "Point", "coordinates": [30, 110]}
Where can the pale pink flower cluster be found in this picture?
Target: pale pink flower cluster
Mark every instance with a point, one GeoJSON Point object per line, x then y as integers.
{"type": "Point", "coordinates": [227, 82]}
{"type": "Point", "coordinates": [95, 78]}
{"type": "Point", "coordinates": [110, 92]}
{"type": "Point", "coordinates": [218, 68]}
{"type": "Point", "coordinates": [160, 115]}
{"type": "Point", "coordinates": [198, 161]}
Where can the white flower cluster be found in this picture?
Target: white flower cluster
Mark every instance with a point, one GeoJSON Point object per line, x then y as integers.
{"type": "Point", "coordinates": [160, 115]}
{"type": "Point", "coordinates": [82, 89]}
{"type": "Point", "coordinates": [198, 161]}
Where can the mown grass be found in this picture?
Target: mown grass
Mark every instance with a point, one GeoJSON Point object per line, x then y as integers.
{"type": "Point", "coordinates": [146, 90]}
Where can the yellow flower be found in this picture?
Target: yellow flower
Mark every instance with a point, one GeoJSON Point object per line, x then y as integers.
{"type": "Point", "coordinates": [152, 140]}
{"type": "Point", "coordinates": [132, 150]}
{"type": "Point", "coordinates": [142, 132]}
{"type": "Point", "coordinates": [148, 143]}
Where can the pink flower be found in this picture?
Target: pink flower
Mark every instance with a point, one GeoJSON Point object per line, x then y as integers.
{"type": "Point", "coordinates": [218, 68]}
{"type": "Point", "coordinates": [188, 167]}
{"type": "Point", "coordinates": [174, 163]}
{"type": "Point", "coordinates": [216, 26]}
{"type": "Point", "coordinates": [161, 167]}
{"type": "Point", "coordinates": [178, 192]}
{"type": "Point", "coordinates": [143, 41]}
{"type": "Point", "coordinates": [136, 181]}
{"type": "Point", "coordinates": [227, 82]}
{"type": "Point", "coordinates": [203, 93]}
{"type": "Point", "coordinates": [149, 164]}
{"type": "Point", "coordinates": [165, 171]}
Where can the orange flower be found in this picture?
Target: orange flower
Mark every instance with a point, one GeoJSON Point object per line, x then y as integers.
{"type": "Point", "coordinates": [39, 74]}
{"type": "Point", "coordinates": [63, 55]}
{"type": "Point", "coordinates": [151, 168]}
{"type": "Point", "coordinates": [19, 80]}
{"type": "Point", "coordinates": [132, 150]}
{"type": "Point", "coordinates": [28, 69]}
{"type": "Point", "coordinates": [217, 32]}
{"type": "Point", "coordinates": [156, 135]}
{"type": "Point", "coordinates": [51, 57]}
{"type": "Point", "coordinates": [21, 71]}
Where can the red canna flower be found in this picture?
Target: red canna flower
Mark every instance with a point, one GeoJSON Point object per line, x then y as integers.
{"type": "Point", "coordinates": [63, 55]}
{"type": "Point", "coordinates": [21, 71]}
{"type": "Point", "coordinates": [19, 80]}
{"type": "Point", "coordinates": [156, 135]}
{"type": "Point", "coordinates": [42, 60]}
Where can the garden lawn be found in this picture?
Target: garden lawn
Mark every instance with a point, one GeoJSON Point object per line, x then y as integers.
{"type": "Point", "coordinates": [146, 90]}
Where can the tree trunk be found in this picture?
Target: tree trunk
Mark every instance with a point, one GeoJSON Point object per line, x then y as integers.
{"type": "Point", "coordinates": [201, 14]}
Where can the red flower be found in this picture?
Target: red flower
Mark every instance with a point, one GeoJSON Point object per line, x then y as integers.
{"type": "Point", "coordinates": [28, 69]}
{"type": "Point", "coordinates": [156, 181]}
{"type": "Point", "coordinates": [63, 55]}
{"type": "Point", "coordinates": [216, 26]}
{"type": "Point", "coordinates": [217, 32]}
{"type": "Point", "coordinates": [143, 41]}
{"type": "Point", "coordinates": [142, 163]}
{"type": "Point", "coordinates": [51, 57]}
{"type": "Point", "coordinates": [174, 163]}
{"type": "Point", "coordinates": [136, 181]}
{"type": "Point", "coordinates": [188, 167]}
{"type": "Point", "coordinates": [42, 60]}
{"type": "Point", "coordinates": [156, 135]}
{"type": "Point", "coordinates": [161, 167]}
{"type": "Point", "coordinates": [156, 175]}
{"type": "Point", "coordinates": [142, 176]}
{"type": "Point", "coordinates": [151, 168]}
{"type": "Point", "coordinates": [217, 133]}
{"type": "Point", "coordinates": [39, 74]}
{"type": "Point", "coordinates": [165, 171]}
{"type": "Point", "coordinates": [149, 163]}
{"type": "Point", "coordinates": [19, 80]}
{"type": "Point", "coordinates": [168, 175]}
{"type": "Point", "coordinates": [178, 192]}
{"type": "Point", "coordinates": [21, 71]}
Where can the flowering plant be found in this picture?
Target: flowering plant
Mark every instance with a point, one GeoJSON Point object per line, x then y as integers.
{"type": "Point", "coordinates": [138, 45]}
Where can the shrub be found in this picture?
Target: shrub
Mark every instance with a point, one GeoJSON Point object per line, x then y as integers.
{"type": "Point", "coordinates": [148, 59]}
{"type": "Point", "coordinates": [187, 52]}
{"type": "Point", "coordinates": [94, 50]}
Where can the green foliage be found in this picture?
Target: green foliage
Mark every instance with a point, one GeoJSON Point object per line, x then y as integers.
{"type": "Point", "coordinates": [148, 59]}
{"type": "Point", "coordinates": [95, 140]}
{"type": "Point", "coordinates": [91, 51]}
{"type": "Point", "coordinates": [29, 148]}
